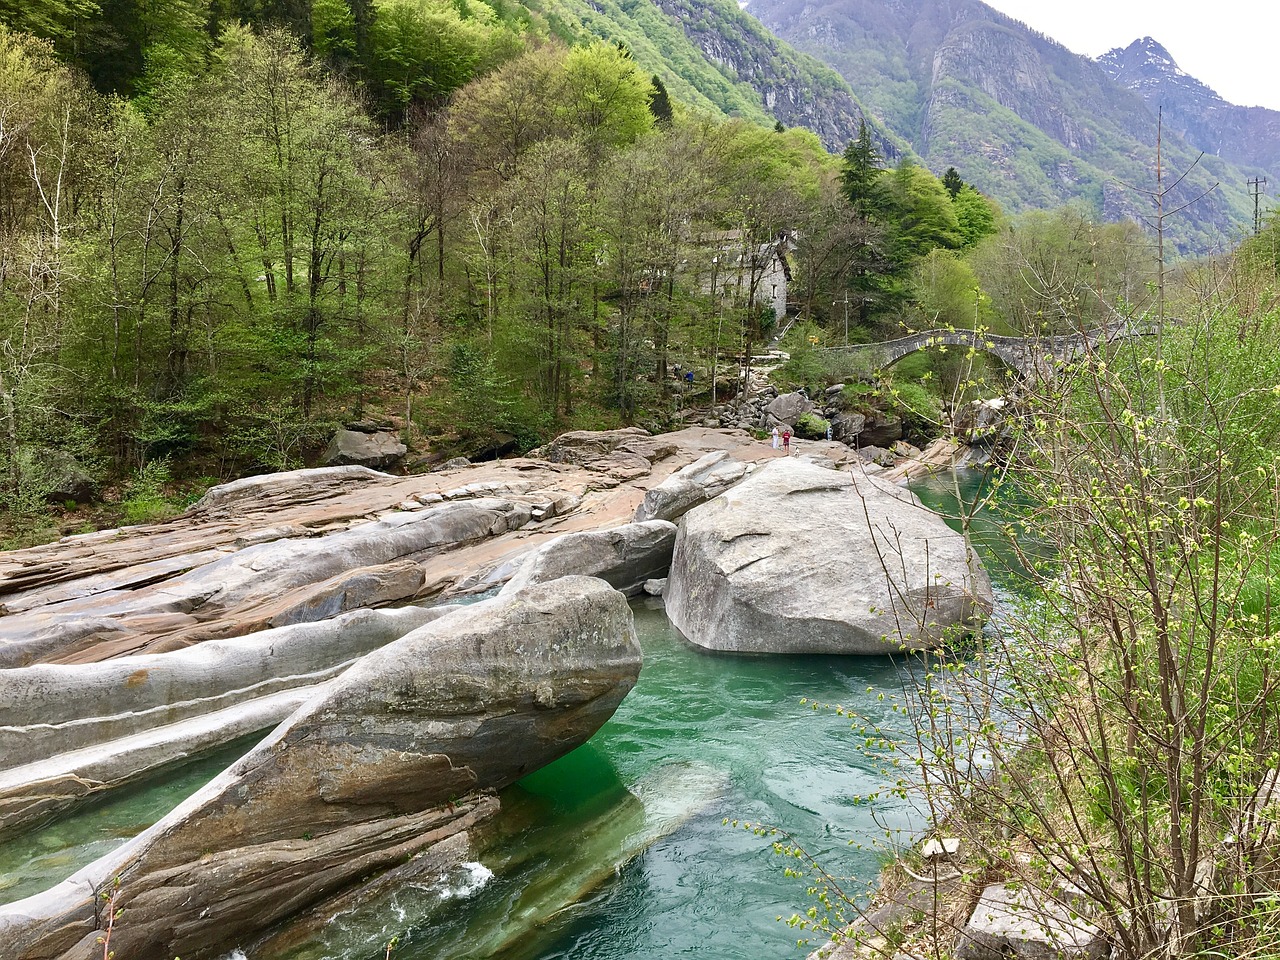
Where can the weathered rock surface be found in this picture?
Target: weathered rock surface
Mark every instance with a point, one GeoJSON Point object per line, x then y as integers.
{"type": "Point", "coordinates": [798, 559]}
{"type": "Point", "coordinates": [582, 447]}
{"type": "Point", "coordinates": [880, 430]}
{"type": "Point", "coordinates": [377, 449]}
{"type": "Point", "coordinates": [1024, 923]}
{"type": "Point", "coordinates": [70, 732]}
{"type": "Point", "coordinates": [624, 557]}
{"type": "Point", "coordinates": [392, 761]}
{"type": "Point", "coordinates": [691, 485]}
{"type": "Point", "coordinates": [789, 407]}
{"type": "Point", "coordinates": [262, 585]}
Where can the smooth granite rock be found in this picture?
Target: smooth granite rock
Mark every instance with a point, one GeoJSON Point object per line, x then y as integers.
{"type": "Point", "coordinates": [800, 559]}
{"type": "Point", "coordinates": [70, 732]}
{"type": "Point", "coordinates": [397, 757]}
{"type": "Point", "coordinates": [698, 482]}
{"type": "Point", "coordinates": [624, 557]}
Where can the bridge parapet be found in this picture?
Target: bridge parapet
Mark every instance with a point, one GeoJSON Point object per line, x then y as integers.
{"type": "Point", "coordinates": [1028, 355]}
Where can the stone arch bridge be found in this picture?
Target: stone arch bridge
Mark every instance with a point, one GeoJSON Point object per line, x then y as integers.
{"type": "Point", "coordinates": [1029, 356]}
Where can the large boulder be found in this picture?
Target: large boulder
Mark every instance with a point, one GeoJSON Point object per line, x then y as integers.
{"type": "Point", "coordinates": [788, 407]}
{"type": "Point", "coordinates": [1019, 921]}
{"type": "Point", "coordinates": [800, 559]}
{"type": "Point", "coordinates": [59, 475]}
{"type": "Point", "coordinates": [584, 447]}
{"type": "Point", "coordinates": [881, 429]}
{"type": "Point", "coordinates": [394, 761]}
{"type": "Point", "coordinates": [847, 426]}
{"type": "Point", "coordinates": [695, 483]}
{"type": "Point", "coordinates": [376, 450]}
{"type": "Point", "coordinates": [624, 557]}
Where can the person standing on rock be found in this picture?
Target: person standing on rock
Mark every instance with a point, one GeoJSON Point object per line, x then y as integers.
{"type": "Point", "coordinates": [775, 438]}
{"type": "Point", "coordinates": [786, 441]}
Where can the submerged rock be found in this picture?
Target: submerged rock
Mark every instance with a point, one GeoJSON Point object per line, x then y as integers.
{"type": "Point", "coordinates": [799, 559]}
{"type": "Point", "coordinates": [393, 760]}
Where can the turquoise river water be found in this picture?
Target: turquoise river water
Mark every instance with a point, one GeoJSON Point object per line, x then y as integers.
{"type": "Point", "coordinates": [618, 850]}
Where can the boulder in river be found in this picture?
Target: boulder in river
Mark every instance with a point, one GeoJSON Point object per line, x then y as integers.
{"type": "Point", "coordinates": [800, 559]}
{"type": "Point", "coordinates": [395, 759]}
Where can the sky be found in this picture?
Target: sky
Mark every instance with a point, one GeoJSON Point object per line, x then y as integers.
{"type": "Point", "coordinates": [1227, 44]}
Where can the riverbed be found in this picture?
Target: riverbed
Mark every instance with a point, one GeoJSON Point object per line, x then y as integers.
{"type": "Point", "coordinates": [621, 849]}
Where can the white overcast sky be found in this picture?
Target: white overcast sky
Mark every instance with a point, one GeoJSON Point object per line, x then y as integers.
{"type": "Point", "coordinates": [1228, 44]}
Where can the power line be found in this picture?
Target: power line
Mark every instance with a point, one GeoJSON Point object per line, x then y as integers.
{"type": "Point", "coordinates": [1255, 186]}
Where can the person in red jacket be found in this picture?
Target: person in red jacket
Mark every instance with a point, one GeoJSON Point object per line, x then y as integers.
{"type": "Point", "coordinates": [786, 440]}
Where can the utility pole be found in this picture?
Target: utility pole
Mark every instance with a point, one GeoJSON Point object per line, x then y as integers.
{"type": "Point", "coordinates": [1255, 188]}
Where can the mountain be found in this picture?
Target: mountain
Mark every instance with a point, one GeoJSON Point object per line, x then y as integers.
{"type": "Point", "coordinates": [1016, 113]}
{"type": "Point", "coordinates": [714, 57]}
{"type": "Point", "coordinates": [1249, 136]}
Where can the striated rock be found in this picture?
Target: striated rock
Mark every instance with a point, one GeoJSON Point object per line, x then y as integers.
{"type": "Point", "coordinates": [1018, 921]}
{"type": "Point", "coordinates": [71, 732]}
{"type": "Point", "coordinates": [696, 483]}
{"type": "Point", "coordinates": [269, 584]}
{"type": "Point", "coordinates": [655, 588]}
{"type": "Point", "coordinates": [377, 449]}
{"type": "Point", "coordinates": [798, 559]}
{"type": "Point", "coordinates": [396, 758]}
{"type": "Point", "coordinates": [624, 557]}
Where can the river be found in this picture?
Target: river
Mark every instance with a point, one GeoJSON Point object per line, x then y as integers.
{"type": "Point", "coordinates": [619, 850]}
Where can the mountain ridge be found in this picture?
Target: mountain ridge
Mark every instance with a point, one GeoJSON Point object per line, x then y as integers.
{"type": "Point", "coordinates": [1019, 115]}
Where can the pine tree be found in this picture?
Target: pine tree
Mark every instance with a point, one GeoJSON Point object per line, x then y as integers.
{"type": "Point", "coordinates": [863, 167]}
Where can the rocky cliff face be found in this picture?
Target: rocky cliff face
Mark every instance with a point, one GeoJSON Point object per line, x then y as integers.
{"type": "Point", "coordinates": [1249, 136]}
{"type": "Point", "coordinates": [795, 89]}
{"type": "Point", "coordinates": [1017, 114]}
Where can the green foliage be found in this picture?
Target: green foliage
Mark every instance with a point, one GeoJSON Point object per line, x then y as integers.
{"type": "Point", "coordinates": [812, 427]}
{"type": "Point", "coordinates": [976, 215]}
{"type": "Point", "coordinates": [144, 498]}
{"type": "Point", "coordinates": [423, 49]}
{"type": "Point", "coordinates": [861, 174]}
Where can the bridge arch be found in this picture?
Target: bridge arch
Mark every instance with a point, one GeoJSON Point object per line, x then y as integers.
{"type": "Point", "coordinates": [1030, 357]}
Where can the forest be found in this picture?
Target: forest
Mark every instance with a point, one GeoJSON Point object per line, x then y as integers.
{"type": "Point", "coordinates": [226, 229]}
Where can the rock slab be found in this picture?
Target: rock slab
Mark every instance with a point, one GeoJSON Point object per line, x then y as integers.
{"type": "Point", "coordinates": [801, 559]}
{"type": "Point", "coordinates": [394, 759]}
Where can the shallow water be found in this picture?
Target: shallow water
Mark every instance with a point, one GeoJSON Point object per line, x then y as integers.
{"type": "Point", "coordinates": [619, 850]}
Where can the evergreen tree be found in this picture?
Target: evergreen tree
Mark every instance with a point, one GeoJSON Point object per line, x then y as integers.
{"type": "Point", "coordinates": [951, 180]}
{"type": "Point", "coordinates": [863, 168]}
{"type": "Point", "coordinates": [660, 103]}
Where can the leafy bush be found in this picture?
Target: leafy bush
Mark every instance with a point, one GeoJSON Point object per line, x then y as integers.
{"type": "Point", "coordinates": [812, 427]}
{"type": "Point", "coordinates": [144, 497]}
